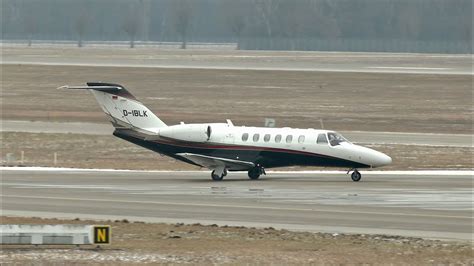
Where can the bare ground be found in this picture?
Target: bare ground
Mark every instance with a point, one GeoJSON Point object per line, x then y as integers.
{"type": "Point", "coordinates": [91, 151]}
{"type": "Point", "coordinates": [345, 101]}
{"type": "Point", "coordinates": [204, 245]}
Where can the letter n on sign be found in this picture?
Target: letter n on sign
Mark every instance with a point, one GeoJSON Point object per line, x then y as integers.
{"type": "Point", "coordinates": [102, 234]}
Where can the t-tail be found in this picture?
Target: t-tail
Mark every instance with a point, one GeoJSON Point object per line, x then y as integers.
{"type": "Point", "coordinates": [122, 108]}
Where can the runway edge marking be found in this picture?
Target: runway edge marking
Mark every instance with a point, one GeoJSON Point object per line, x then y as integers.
{"type": "Point", "coordinates": [388, 172]}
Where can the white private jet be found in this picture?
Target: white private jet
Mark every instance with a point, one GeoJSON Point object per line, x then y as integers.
{"type": "Point", "coordinates": [223, 147]}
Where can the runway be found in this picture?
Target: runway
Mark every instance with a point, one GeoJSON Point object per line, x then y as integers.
{"type": "Point", "coordinates": [241, 60]}
{"type": "Point", "coordinates": [433, 206]}
{"type": "Point", "coordinates": [362, 137]}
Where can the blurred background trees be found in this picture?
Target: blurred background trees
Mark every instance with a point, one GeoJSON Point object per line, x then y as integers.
{"type": "Point", "coordinates": [182, 15]}
{"type": "Point", "coordinates": [326, 25]}
{"type": "Point", "coordinates": [131, 23]}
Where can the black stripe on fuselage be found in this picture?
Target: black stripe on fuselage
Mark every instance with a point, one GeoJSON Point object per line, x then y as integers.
{"type": "Point", "coordinates": [266, 157]}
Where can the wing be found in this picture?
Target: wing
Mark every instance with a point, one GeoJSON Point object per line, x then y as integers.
{"type": "Point", "coordinates": [216, 162]}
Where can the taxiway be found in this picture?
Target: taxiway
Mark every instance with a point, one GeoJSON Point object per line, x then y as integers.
{"type": "Point", "coordinates": [241, 60]}
{"type": "Point", "coordinates": [363, 137]}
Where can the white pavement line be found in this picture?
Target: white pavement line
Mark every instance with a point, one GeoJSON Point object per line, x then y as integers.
{"type": "Point", "coordinates": [58, 169]}
{"type": "Point", "coordinates": [367, 172]}
{"type": "Point", "coordinates": [237, 206]}
{"type": "Point", "coordinates": [410, 144]}
{"type": "Point", "coordinates": [250, 67]}
{"type": "Point", "coordinates": [408, 67]}
{"type": "Point", "coordinates": [393, 133]}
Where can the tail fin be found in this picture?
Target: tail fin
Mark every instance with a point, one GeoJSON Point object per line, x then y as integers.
{"type": "Point", "coordinates": [122, 108]}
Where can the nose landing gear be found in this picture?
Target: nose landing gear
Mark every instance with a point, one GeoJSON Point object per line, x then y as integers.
{"type": "Point", "coordinates": [355, 176]}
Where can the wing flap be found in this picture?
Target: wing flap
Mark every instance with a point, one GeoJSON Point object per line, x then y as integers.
{"type": "Point", "coordinates": [216, 162]}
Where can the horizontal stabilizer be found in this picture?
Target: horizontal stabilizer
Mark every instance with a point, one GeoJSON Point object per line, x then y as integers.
{"type": "Point", "coordinates": [97, 88]}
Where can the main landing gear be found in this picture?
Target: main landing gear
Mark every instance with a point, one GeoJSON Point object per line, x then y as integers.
{"type": "Point", "coordinates": [356, 176]}
{"type": "Point", "coordinates": [218, 177]}
{"type": "Point", "coordinates": [255, 172]}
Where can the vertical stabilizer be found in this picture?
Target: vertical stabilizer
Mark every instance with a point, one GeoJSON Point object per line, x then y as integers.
{"type": "Point", "coordinates": [122, 108]}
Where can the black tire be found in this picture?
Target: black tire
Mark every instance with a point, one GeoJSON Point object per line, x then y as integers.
{"type": "Point", "coordinates": [356, 176]}
{"type": "Point", "coordinates": [254, 173]}
{"type": "Point", "coordinates": [216, 177]}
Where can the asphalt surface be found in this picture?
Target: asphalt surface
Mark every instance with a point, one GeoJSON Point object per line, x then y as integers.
{"type": "Point", "coordinates": [432, 206]}
{"type": "Point", "coordinates": [255, 60]}
{"type": "Point", "coordinates": [363, 137]}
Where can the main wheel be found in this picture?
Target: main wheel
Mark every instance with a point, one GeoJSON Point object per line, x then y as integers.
{"type": "Point", "coordinates": [356, 176]}
{"type": "Point", "coordinates": [216, 177]}
{"type": "Point", "coordinates": [254, 173]}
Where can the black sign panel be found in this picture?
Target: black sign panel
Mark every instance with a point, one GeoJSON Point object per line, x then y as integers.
{"type": "Point", "coordinates": [101, 234]}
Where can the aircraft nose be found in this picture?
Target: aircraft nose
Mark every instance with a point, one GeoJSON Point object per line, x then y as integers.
{"type": "Point", "coordinates": [381, 159]}
{"type": "Point", "coordinates": [371, 157]}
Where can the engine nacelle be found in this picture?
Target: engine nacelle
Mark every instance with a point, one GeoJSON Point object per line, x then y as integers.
{"type": "Point", "coordinates": [191, 132]}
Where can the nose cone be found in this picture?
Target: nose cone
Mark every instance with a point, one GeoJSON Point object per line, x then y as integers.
{"type": "Point", "coordinates": [370, 157]}
{"type": "Point", "coordinates": [381, 159]}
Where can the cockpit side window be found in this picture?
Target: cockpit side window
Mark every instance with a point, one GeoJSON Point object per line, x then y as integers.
{"type": "Point", "coordinates": [335, 138]}
{"type": "Point", "coordinates": [322, 139]}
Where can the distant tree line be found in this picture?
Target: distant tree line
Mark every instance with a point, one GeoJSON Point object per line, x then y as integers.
{"type": "Point", "coordinates": [345, 25]}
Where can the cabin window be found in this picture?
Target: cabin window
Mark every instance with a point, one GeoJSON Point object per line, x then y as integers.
{"type": "Point", "coordinates": [267, 138]}
{"type": "Point", "coordinates": [301, 139]}
{"type": "Point", "coordinates": [245, 136]}
{"type": "Point", "coordinates": [322, 139]}
{"type": "Point", "coordinates": [278, 138]}
{"type": "Point", "coordinates": [289, 139]}
{"type": "Point", "coordinates": [256, 137]}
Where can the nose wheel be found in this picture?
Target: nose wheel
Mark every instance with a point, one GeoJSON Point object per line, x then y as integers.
{"type": "Point", "coordinates": [355, 176]}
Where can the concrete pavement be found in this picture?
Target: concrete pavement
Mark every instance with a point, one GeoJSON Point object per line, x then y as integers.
{"type": "Point", "coordinates": [432, 206]}
{"type": "Point", "coordinates": [363, 137]}
{"type": "Point", "coordinates": [445, 64]}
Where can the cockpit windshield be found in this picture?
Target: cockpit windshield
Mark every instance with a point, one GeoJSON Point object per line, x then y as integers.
{"type": "Point", "coordinates": [335, 138]}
